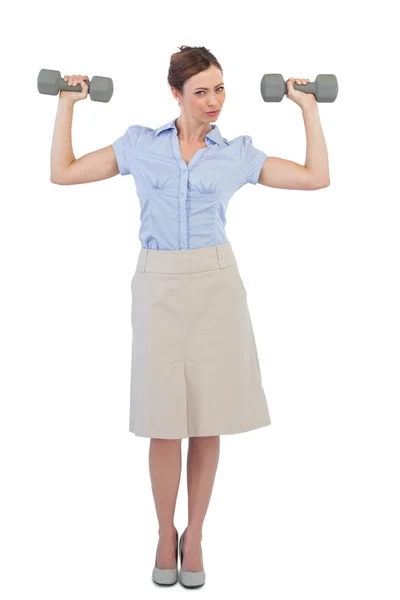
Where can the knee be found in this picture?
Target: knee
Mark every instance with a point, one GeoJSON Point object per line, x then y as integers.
{"type": "Point", "coordinates": [166, 441]}
{"type": "Point", "coordinates": [204, 439]}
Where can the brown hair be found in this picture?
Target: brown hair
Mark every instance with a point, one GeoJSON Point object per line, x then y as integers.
{"type": "Point", "coordinates": [188, 62]}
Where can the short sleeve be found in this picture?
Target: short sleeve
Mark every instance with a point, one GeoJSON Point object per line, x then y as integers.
{"type": "Point", "coordinates": [124, 146]}
{"type": "Point", "coordinates": [252, 159]}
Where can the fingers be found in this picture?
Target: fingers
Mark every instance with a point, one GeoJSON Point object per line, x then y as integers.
{"type": "Point", "coordinates": [75, 79]}
{"type": "Point", "coordinates": [70, 79]}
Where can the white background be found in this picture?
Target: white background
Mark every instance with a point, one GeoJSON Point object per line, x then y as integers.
{"type": "Point", "coordinates": [307, 507]}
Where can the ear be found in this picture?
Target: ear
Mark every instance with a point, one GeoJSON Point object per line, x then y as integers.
{"type": "Point", "coordinates": [176, 94]}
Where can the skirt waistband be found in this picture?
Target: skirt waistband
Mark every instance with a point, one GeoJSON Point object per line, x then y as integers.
{"type": "Point", "coordinates": [194, 260]}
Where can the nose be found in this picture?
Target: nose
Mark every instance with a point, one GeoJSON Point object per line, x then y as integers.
{"type": "Point", "coordinates": [212, 103]}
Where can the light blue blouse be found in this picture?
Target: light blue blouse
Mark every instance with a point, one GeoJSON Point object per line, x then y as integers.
{"type": "Point", "coordinates": [184, 206]}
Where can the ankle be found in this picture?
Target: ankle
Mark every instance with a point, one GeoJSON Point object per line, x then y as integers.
{"type": "Point", "coordinates": [193, 533]}
{"type": "Point", "coordinates": [167, 532]}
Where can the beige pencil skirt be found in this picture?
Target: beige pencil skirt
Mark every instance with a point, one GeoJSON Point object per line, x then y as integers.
{"type": "Point", "coordinates": [195, 368]}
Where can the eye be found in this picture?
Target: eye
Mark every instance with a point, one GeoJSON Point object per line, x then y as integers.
{"type": "Point", "coordinates": [203, 92]}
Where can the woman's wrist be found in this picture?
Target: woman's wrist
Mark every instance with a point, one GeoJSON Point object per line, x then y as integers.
{"type": "Point", "coordinates": [65, 101]}
{"type": "Point", "coordinates": [311, 108]}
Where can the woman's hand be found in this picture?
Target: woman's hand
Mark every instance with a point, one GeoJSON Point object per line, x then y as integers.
{"type": "Point", "coordinates": [74, 80]}
{"type": "Point", "coordinates": [303, 99]}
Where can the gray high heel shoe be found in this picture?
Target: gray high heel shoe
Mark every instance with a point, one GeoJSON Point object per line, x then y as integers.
{"type": "Point", "coordinates": [166, 576]}
{"type": "Point", "coordinates": [192, 579]}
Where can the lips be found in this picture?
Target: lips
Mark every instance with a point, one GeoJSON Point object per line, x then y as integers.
{"type": "Point", "coordinates": [212, 112]}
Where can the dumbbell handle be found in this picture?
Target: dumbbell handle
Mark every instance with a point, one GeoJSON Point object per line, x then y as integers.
{"type": "Point", "coordinates": [64, 87]}
{"type": "Point", "coordinates": [309, 88]}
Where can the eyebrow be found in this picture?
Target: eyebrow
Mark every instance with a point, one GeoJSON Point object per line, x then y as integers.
{"type": "Point", "coordinates": [204, 88]}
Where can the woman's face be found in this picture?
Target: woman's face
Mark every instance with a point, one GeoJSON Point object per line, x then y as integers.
{"type": "Point", "coordinates": [203, 93]}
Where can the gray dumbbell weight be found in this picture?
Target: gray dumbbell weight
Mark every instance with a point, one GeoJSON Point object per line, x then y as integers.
{"type": "Point", "coordinates": [50, 82]}
{"type": "Point", "coordinates": [325, 88]}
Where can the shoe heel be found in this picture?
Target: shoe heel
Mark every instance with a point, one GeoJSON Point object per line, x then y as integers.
{"type": "Point", "coordinates": [190, 579]}
{"type": "Point", "coordinates": [166, 576]}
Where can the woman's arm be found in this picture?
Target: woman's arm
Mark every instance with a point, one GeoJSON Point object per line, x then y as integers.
{"type": "Point", "coordinates": [68, 170]}
{"type": "Point", "coordinates": [61, 149]}
{"type": "Point", "coordinates": [316, 153]}
{"type": "Point", "coordinates": [289, 175]}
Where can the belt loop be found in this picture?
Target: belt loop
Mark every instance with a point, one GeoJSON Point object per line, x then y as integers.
{"type": "Point", "coordinates": [142, 260]}
{"type": "Point", "coordinates": [221, 257]}
{"type": "Point", "coordinates": [146, 251]}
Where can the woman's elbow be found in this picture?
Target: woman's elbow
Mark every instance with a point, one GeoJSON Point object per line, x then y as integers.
{"type": "Point", "coordinates": [319, 185]}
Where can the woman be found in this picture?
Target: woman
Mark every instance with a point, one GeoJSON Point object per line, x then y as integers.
{"type": "Point", "coordinates": [195, 371]}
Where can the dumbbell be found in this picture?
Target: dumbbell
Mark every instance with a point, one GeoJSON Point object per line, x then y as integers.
{"type": "Point", "coordinates": [50, 82]}
{"type": "Point", "coordinates": [325, 88]}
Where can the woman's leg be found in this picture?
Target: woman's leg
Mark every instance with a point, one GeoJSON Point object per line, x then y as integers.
{"type": "Point", "coordinates": [202, 462]}
{"type": "Point", "coordinates": [165, 463]}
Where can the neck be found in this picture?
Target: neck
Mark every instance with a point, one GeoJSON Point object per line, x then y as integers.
{"type": "Point", "coordinates": [191, 132]}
